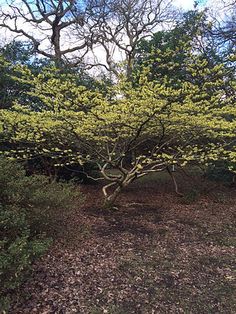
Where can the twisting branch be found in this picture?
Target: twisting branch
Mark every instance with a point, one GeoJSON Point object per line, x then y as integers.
{"type": "Point", "coordinates": [49, 24]}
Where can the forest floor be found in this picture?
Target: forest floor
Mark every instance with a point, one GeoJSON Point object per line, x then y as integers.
{"type": "Point", "coordinates": [158, 253]}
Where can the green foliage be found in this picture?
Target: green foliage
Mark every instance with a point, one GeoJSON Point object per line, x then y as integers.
{"type": "Point", "coordinates": [6, 84]}
{"type": "Point", "coordinates": [51, 202]}
{"type": "Point", "coordinates": [17, 52]}
{"type": "Point", "coordinates": [29, 207]}
{"type": "Point", "coordinates": [219, 171]}
{"type": "Point", "coordinates": [135, 130]}
{"type": "Point", "coordinates": [179, 55]}
{"type": "Point", "coordinates": [17, 250]}
{"type": "Point", "coordinates": [11, 89]}
{"type": "Point", "coordinates": [178, 110]}
{"type": "Point", "coordinates": [43, 202]}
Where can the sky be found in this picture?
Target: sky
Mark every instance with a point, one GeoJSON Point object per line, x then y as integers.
{"type": "Point", "coordinates": [185, 4]}
{"type": "Point", "coordinates": [189, 4]}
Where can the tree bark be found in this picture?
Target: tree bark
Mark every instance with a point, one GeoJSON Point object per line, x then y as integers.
{"type": "Point", "coordinates": [110, 199]}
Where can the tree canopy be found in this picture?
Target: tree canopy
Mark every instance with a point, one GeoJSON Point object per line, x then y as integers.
{"type": "Point", "coordinates": [133, 130]}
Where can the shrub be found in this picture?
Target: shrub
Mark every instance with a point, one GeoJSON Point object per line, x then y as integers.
{"type": "Point", "coordinates": [17, 250]}
{"type": "Point", "coordinates": [220, 172]}
{"type": "Point", "coordinates": [44, 203]}
{"type": "Point", "coordinates": [29, 208]}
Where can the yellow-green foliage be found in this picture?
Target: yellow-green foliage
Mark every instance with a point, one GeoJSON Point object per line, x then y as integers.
{"type": "Point", "coordinates": [153, 122]}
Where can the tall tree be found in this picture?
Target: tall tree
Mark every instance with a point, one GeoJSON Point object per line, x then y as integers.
{"type": "Point", "coordinates": [180, 54]}
{"type": "Point", "coordinates": [74, 32]}
{"type": "Point", "coordinates": [122, 24]}
{"type": "Point", "coordinates": [51, 26]}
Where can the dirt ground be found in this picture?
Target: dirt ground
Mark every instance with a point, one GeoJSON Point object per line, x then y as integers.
{"type": "Point", "coordinates": [158, 253]}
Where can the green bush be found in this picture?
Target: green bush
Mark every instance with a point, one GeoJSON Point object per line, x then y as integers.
{"type": "Point", "coordinates": [220, 172]}
{"type": "Point", "coordinates": [44, 203]}
{"type": "Point", "coordinates": [29, 208]}
{"type": "Point", "coordinates": [17, 250]}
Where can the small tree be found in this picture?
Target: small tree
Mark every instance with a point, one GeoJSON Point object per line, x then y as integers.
{"type": "Point", "coordinates": [130, 132]}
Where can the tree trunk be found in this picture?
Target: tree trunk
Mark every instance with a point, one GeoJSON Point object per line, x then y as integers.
{"type": "Point", "coordinates": [174, 181]}
{"type": "Point", "coordinates": [110, 199]}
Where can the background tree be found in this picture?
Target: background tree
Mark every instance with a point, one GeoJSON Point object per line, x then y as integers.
{"type": "Point", "coordinates": [122, 24]}
{"type": "Point", "coordinates": [18, 52]}
{"type": "Point", "coordinates": [182, 54]}
{"type": "Point", "coordinates": [50, 26]}
{"type": "Point", "coordinates": [12, 55]}
{"type": "Point", "coordinates": [172, 50]}
{"type": "Point", "coordinates": [224, 23]}
{"type": "Point", "coordinates": [96, 26]}
{"type": "Point", "coordinates": [10, 89]}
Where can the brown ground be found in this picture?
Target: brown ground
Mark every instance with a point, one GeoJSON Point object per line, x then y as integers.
{"type": "Point", "coordinates": [158, 253]}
